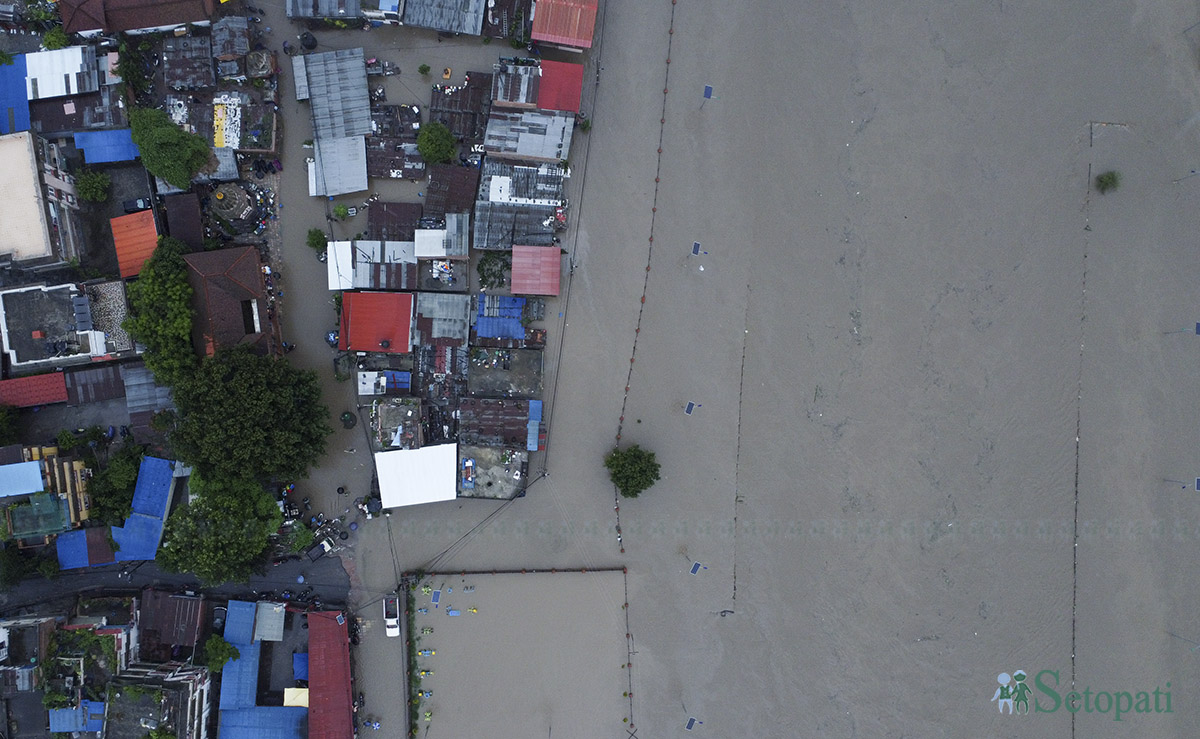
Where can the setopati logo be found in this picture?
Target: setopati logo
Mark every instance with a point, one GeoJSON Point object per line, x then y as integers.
{"type": "Point", "coordinates": [1013, 697]}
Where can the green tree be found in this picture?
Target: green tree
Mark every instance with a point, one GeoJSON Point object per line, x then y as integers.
{"type": "Point", "coordinates": [247, 415]}
{"type": "Point", "coordinates": [423, 70]}
{"type": "Point", "coordinates": [222, 534]}
{"type": "Point", "coordinates": [56, 38]}
{"type": "Point", "coordinates": [160, 313]}
{"type": "Point", "coordinates": [632, 470]}
{"type": "Point", "coordinates": [10, 432]}
{"type": "Point", "coordinates": [317, 240]}
{"type": "Point", "coordinates": [217, 652]}
{"type": "Point", "coordinates": [111, 487]}
{"type": "Point", "coordinates": [341, 212]}
{"type": "Point", "coordinates": [1108, 181]}
{"type": "Point", "coordinates": [167, 150]}
{"type": "Point", "coordinates": [93, 186]}
{"type": "Point", "coordinates": [435, 143]}
{"type": "Point", "coordinates": [6, 58]}
{"type": "Point", "coordinates": [14, 566]}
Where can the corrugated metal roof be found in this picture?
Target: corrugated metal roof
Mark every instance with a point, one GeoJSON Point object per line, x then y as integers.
{"type": "Point", "coordinates": [442, 316]}
{"type": "Point", "coordinates": [169, 620]}
{"type": "Point", "coordinates": [135, 236]}
{"type": "Point", "coordinates": [59, 72]}
{"type": "Point", "coordinates": [21, 478]}
{"type": "Point", "coordinates": [142, 394]}
{"type": "Point", "coordinates": [128, 15]}
{"type": "Point", "coordinates": [454, 16]}
{"type": "Point", "coordinates": [300, 75]}
{"type": "Point", "coordinates": [515, 83]}
{"type": "Point", "coordinates": [339, 166]}
{"type": "Point", "coordinates": [87, 716]}
{"type": "Point", "coordinates": [562, 86]}
{"type": "Point", "coordinates": [500, 225]}
{"type": "Point", "coordinates": [14, 102]}
{"type": "Point", "coordinates": [239, 677]}
{"type": "Point", "coordinates": [536, 270]}
{"type": "Point", "coordinates": [337, 88]}
{"type": "Point", "coordinates": [570, 23]}
{"type": "Point", "coordinates": [188, 62]}
{"type": "Point", "coordinates": [330, 714]}
{"type": "Point", "coordinates": [72, 550]}
{"type": "Point", "coordinates": [138, 538]}
{"type": "Point", "coordinates": [231, 37]}
{"type": "Point", "coordinates": [94, 384]}
{"type": "Point", "coordinates": [263, 722]}
{"type": "Point", "coordinates": [530, 135]}
{"type": "Point", "coordinates": [27, 392]}
{"type": "Point", "coordinates": [107, 146]}
{"type": "Point", "coordinates": [369, 319]}
{"type": "Point", "coordinates": [152, 494]}
{"type": "Point", "coordinates": [239, 626]}
{"type": "Point", "coordinates": [324, 9]}
{"type": "Point", "coordinates": [505, 182]}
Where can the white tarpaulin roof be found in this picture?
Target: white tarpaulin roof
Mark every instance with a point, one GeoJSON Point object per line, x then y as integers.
{"type": "Point", "coordinates": [415, 476]}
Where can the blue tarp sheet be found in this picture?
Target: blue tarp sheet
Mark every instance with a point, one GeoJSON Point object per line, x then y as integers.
{"type": "Point", "coordinates": [14, 99]}
{"type": "Point", "coordinates": [397, 380]}
{"type": "Point", "coordinates": [499, 328]}
{"type": "Point", "coordinates": [153, 491]}
{"type": "Point", "coordinates": [87, 716]}
{"type": "Point", "coordinates": [72, 549]}
{"type": "Point", "coordinates": [138, 539]}
{"type": "Point", "coordinates": [264, 722]}
{"type": "Point", "coordinates": [239, 677]}
{"type": "Point", "coordinates": [239, 622]}
{"type": "Point", "coordinates": [107, 146]}
{"type": "Point", "coordinates": [21, 478]}
{"type": "Point", "coordinates": [300, 666]}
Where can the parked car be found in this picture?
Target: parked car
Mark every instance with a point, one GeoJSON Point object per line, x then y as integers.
{"type": "Point", "coordinates": [391, 616]}
{"type": "Point", "coordinates": [133, 206]}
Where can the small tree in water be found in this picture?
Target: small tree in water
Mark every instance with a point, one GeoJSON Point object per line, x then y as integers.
{"type": "Point", "coordinates": [1108, 181]}
{"type": "Point", "coordinates": [632, 470]}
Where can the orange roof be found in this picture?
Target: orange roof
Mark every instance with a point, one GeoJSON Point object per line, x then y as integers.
{"type": "Point", "coordinates": [26, 392]}
{"type": "Point", "coordinates": [565, 22]}
{"type": "Point", "coordinates": [135, 235]}
{"type": "Point", "coordinates": [536, 270]}
{"type": "Point", "coordinates": [561, 86]}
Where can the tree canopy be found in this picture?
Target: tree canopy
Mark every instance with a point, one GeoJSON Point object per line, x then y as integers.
{"type": "Point", "coordinates": [632, 470]}
{"type": "Point", "coordinates": [160, 313]}
{"type": "Point", "coordinates": [222, 534]}
{"type": "Point", "coordinates": [9, 425]}
{"type": "Point", "coordinates": [316, 239]}
{"type": "Point", "coordinates": [435, 143]}
{"type": "Point", "coordinates": [55, 38]}
{"type": "Point", "coordinates": [167, 150]}
{"type": "Point", "coordinates": [217, 652]}
{"type": "Point", "coordinates": [247, 415]}
{"type": "Point", "coordinates": [93, 186]}
{"type": "Point", "coordinates": [111, 486]}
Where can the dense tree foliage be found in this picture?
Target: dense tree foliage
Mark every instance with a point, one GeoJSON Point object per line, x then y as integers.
{"type": "Point", "coordinates": [435, 143]}
{"type": "Point", "coordinates": [93, 186]}
{"type": "Point", "coordinates": [317, 239]}
{"type": "Point", "coordinates": [10, 432]}
{"type": "Point", "coordinates": [111, 486]}
{"type": "Point", "coordinates": [632, 470]}
{"type": "Point", "coordinates": [246, 415]}
{"type": "Point", "coordinates": [217, 652]}
{"type": "Point", "coordinates": [160, 313]}
{"type": "Point", "coordinates": [55, 38]}
{"type": "Point", "coordinates": [223, 533]}
{"type": "Point", "coordinates": [167, 150]}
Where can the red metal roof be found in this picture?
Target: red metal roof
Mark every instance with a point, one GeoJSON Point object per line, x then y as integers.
{"type": "Point", "coordinates": [565, 22]}
{"type": "Point", "coordinates": [136, 237]}
{"type": "Point", "coordinates": [26, 392]}
{"type": "Point", "coordinates": [561, 86]}
{"type": "Point", "coordinates": [536, 270]}
{"type": "Point", "coordinates": [329, 702]}
{"type": "Point", "coordinates": [371, 318]}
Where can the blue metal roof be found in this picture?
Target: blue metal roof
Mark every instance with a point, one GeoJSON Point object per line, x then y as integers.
{"type": "Point", "coordinates": [87, 716]}
{"type": "Point", "coordinates": [153, 491]}
{"type": "Point", "coordinates": [239, 677]}
{"type": "Point", "coordinates": [500, 328]}
{"type": "Point", "coordinates": [300, 666]}
{"type": "Point", "coordinates": [139, 538]}
{"type": "Point", "coordinates": [535, 410]}
{"type": "Point", "coordinates": [397, 380]}
{"type": "Point", "coordinates": [264, 722]}
{"type": "Point", "coordinates": [107, 146]}
{"type": "Point", "coordinates": [22, 478]}
{"type": "Point", "coordinates": [14, 100]}
{"type": "Point", "coordinates": [534, 425]}
{"type": "Point", "coordinates": [72, 550]}
{"type": "Point", "coordinates": [239, 622]}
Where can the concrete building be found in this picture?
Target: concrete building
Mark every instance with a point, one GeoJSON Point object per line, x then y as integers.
{"type": "Point", "coordinates": [47, 327]}
{"type": "Point", "coordinates": [42, 226]}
